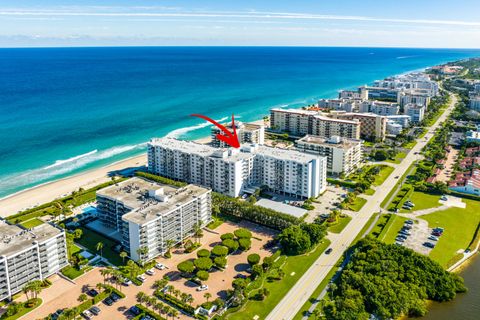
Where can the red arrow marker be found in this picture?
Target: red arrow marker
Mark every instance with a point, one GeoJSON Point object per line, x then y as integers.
{"type": "Point", "coordinates": [228, 137]}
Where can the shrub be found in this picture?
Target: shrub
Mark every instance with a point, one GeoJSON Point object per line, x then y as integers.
{"type": "Point", "coordinates": [231, 244]}
{"type": "Point", "coordinates": [203, 253]}
{"type": "Point", "coordinates": [244, 244]}
{"type": "Point", "coordinates": [186, 266]}
{"type": "Point", "coordinates": [227, 236]}
{"type": "Point", "coordinates": [242, 233]}
{"type": "Point", "coordinates": [253, 259]}
{"type": "Point", "coordinates": [203, 263]}
{"type": "Point", "coordinates": [220, 262]}
{"type": "Point", "coordinates": [239, 283]}
{"type": "Point", "coordinates": [220, 251]}
{"type": "Point", "coordinates": [202, 275]}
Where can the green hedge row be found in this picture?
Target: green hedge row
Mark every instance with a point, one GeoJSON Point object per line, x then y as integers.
{"type": "Point", "coordinates": [146, 311]}
{"type": "Point", "coordinates": [175, 302]}
{"type": "Point", "coordinates": [160, 179]}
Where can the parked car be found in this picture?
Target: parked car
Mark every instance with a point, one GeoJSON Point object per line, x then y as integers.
{"type": "Point", "coordinates": [108, 301]}
{"type": "Point", "coordinates": [429, 245]}
{"type": "Point", "coordinates": [127, 282]}
{"type": "Point", "coordinates": [142, 277]}
{"type": "Point", "coordinates": [398, 243]}
{"type": "Point", "coordinates": [407, 227]}
{"type": "Point", "coordinates": [114, 297]}
{"type": "Point", "coordinates": [443, 198]}
{"type": "Point", "coordinates": [203, 287]}
{"type": "Point", "coordinates": [150, 272]}
{"type": "Point", "coordinates": [87, 314]}
{"type": "Point", "coordinates": [437, 234]}
{"type": "Point", "coordinates": [92, 292]}
{"type": "Point", "coordinates": [433, 238]}
{"type": "Point", "coordinates": [95, 310]}
{"type": "Point", "coordinates": [399, 239]}
{"type": "Point", "coordinates": [160, 266]}
{"type": "Point", "coordinates": [134, 310]}
{"type": "Point", "coordinates": [328, 251]}
{"type": "Point", "coordinates": [409, 221]}
{"type": "Point", "coordinates": [439, 229]}
{"type": "Point", "coordinates": [405, 232]}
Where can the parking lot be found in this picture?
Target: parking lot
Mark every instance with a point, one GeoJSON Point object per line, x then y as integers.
{"type": "Point", "coordinates": [417, 236]}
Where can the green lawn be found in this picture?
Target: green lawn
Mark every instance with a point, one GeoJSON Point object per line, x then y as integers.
{"type": "Point", "coordinates": [90, 239]}
{"type": "Point", "coordinates": [423, 201]}
{"type": "Point", "coordinates": [398, 158]}
{"type": "Point", "coordinates": [380, 225]}
{"type": "Point", "coordinates": [23, 310]}
{"type": "Point", "coordinates": [217, 221]}
{"type": "Point", "coordinates": [410, 145]}
{"type": "Point", "coordinates": [383, 175]}
{"type": "Point", "coordinates": [460, 226]}
{"type": "Point", "coordinates": [278, 289]}
{"type": "Point", "coordinates": [357, 204]}
{"type": "Point", "coordinates": [390, 231]}
{"type": "Point", "coordinates": [32, 223]}
{"type": "Point", "coordinates": [342, 223]}
{"type": "Point", "coordinates": [72, 272]}
{"type": "Point", "coordinates": [385, 203]}
{"type": "Point", "coordinates": [369, 192]}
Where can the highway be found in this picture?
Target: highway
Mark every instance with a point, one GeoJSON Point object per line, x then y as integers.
{"type": "Point", "coordinates": [292, 302]}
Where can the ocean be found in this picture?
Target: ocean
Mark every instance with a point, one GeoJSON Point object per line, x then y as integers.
{"type": "Point", "coordinates": [67, 110]}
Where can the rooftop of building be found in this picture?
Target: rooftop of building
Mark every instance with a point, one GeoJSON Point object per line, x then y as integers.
{"type": "Point", "coordinates": [360, 115]}
{"type": "Point", "coordinates": [297, 111]}
{"type": "Point", "coordinates": [282, 154]}
{"type": "Point", "coordinates": [14, 239]}
{"type": "Point", "coordinates": [248, 126]}
{"type": "Point", "coordinates": [149, 199]}
{"type": "Point", "coordinates": [335, 141]}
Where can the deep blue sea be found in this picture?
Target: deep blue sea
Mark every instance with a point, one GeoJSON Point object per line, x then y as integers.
{"type": "Point", "coordinates": [67, 110]}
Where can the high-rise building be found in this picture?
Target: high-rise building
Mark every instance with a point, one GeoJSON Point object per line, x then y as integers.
{"type": "Point", "coordinates": [380, 108]}
{"type": "Point", "coordinates": [232, 171]}
{"type": "Point", "coordinates": [343, 155]}
{"type": "Point", "coordinates": [246, 133]}
{"type": "Point", "coordinates": [373, 126]}
{"type": "Point", "coordinates": [29, 254]}
{"type": "Point", "coordinates": [301, 122]}
{"type": "Point", "coordinates": [416, 112]}
{"type": "Point", "coordinates": [149, 215]}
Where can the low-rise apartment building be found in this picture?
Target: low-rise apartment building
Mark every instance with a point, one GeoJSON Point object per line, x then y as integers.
{"type": "Point", "coordinates": [373, 126]}
{"type": "Point", "coordinates": [416, 112]}
{"type": "Point", "coordinates": [418, 97]}
{"type": "Point", "coordinates": [349, 105]}
{"type": "Point", "coordinates": [381, 108]}
{"type": "Point", "coordinates": [301, 122]}
{"type": "Point", "coordinates": [343, 155]}
{"type": "Point", "coordinates": [29, 254]}
{"type": "Point", "coordinates": [232, 171]}
{"type": "Point", "coordinates": [149, 215]}
{"type": "Point", "coordinates": [246, 133]}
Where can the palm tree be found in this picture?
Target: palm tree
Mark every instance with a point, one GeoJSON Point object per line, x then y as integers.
{"type": "Point", "coordinates": [316, 314]}
{"type": "Point", "coordinates": [176, 293]}
{"type": "Point", "coordinates": [189, 299]}
{"type": "Point", "coordinates": [197, 231]}
{"type": "Point", "coordinates": [166, 310]}
{"type": "Point", "coordinates": [82, 297]}
{"type": "Point", "coordinates": [169, 243]}
{"type": "Point", "coordinates": [174, 313]}
{"type": "Point", "coordinates": [104, 272]}
{"type": "Point", "coordinates": [99, 286]}
{"type": "Point", "coordinates": [25, 290]}
{"type": "Point", "coordinates": [123, 255]}
{"type": "Point", "coordinates": [100, 248]}
{"type": "Point", "coordinates": [140, 296]}
{"type": "Point", "coordinates": [183, 297]}
{"type": "Point", "coordinates": [207, 295]}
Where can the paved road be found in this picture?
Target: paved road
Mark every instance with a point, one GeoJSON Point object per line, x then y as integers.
{"type": "Point", "coordinates": [303, 289]}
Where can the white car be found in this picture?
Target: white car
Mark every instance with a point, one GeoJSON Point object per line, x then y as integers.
{"type": "Point", "coordinates": [150, 272]}
{"type": "Point", "coordinates": [87, 314]}
{"type": "Point", "coordinates": [127, 282]}
{"type": "Point", "coordinates": [160, 266]}
{"type": "Point", "coordinates": [142, 277]}
{"type": "Point", "coordinates": [203, 287]}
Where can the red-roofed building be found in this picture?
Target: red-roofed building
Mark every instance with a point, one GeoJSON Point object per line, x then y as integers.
{"type": "Point", "coordinates": [467, 184]}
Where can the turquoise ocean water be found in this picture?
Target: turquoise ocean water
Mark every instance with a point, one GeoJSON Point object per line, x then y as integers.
{"type": "Point", "coordinates": [67, 110]}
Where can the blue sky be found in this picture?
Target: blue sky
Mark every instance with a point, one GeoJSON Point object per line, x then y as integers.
{"type": "Point", "coordinates": [407, 23]}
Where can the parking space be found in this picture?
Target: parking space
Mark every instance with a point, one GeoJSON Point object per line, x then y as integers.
{"type": "Point", "coordinates": [417, 236]}
{"type": "Point", "coordinates": [327, 202]}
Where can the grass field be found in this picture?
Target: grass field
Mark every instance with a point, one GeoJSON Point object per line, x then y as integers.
{"type": "Point", "coordinates": [357, 204]}
{"type": "Point", "coordinates": [32, 223]}
{"type": "Point", "coordinates": [423, 201]}
{"type": "Point", "coordinates": [398, 158]}
{"type": "Point", "coordinates": [383, 175]}
{"type": "Point", "coordinates": [460, 226]}
{"type": "Point", "coordinates": [71, 272]}
{"type": "Point", "coordinates": [380, 225]}
{"type": "Point", "coordinates": [90, 239]}
{"type": "Point", "coordinates": [278, 289]}
{"type": "Point", "coordinates": [390, 231]}
{"type": "Point", "coordinates": [23, 310]}
{"type": "Point", "coordinates": [342, 223]}
{"type": "Point", "coordinates": [369, 192]}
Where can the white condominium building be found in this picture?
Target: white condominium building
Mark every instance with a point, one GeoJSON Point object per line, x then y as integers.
{"type": "Point", "coordinates": [373, 126]}
{"type": "Point", "coordinates": [416, 112]}
{"type": "Point", "coordinates": [401, 119]}
{"type": "Point", "coordinates": [301, 122]}
{"type": "Point", "coordinates": [418, 96]}
{"type": "Point", "coordinates": [349, 105]}
{"type": "Point", "coordinates": [246, 133]}
{"type": "Point", "coordinates": [27, 255]}
{"type": "Point", "coordinates": [232, 171]}
{"type": "Point", "coordinates": [149, 215]}
{"type": "Point", "coordinates": [343, 155]}
{"type": "Point", "coordinates": [379, 107]}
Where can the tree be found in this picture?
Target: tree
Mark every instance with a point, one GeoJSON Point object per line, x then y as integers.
{"type": "Point", "coordinates": [257, 270]}
{"type": "Point", "coordinates": [294, 240]}
{"type": "Point", "coordinates": [227, 236]}
{"type": "Point", "coordinates": [142, 253]}
{"type": "Point", "coordinates": [78, 233]}
{"type": "Point", "coordinates": [100, 248]}
{"type": "Point", "coordinates": [220, 262]}
{"type": "Point", "coordinates": [253, 259]}
{"type": "Point", "coordinates": [202, 275]}
{"type": "Point", "coordinates": [239, 284]}
{"type": "Point", "coordinates": [244, 244]}
{"type": "Point", "coordinates": [140, 296]}
{"type": "Point", "coordinates": [169, 243]}
{"type": "Point", "coordinates": [315, 231]}
{"type": "Point", "coordinates": [203, 253]}
{"type": "Point", "coordinates": [82, 297]}
{"type": "Point", "coordinates": [174, 313]}
{"type": "Point", "coordinates": [186, 267]}
{"type": "Point", "coordinates": [203, 263]}
{"type": "Point", "coordinates": [207, 295]}
{"type": "Point", "coordinates": [197, 231]}
{"type": "Point", "coordinates": [123, 255]}
{"type": "Point", "coordinates": [220, 251]}
{"type": "Point", "coordinates": [160, 284]}
{"type": "Point", "coordinates": [231, 244]}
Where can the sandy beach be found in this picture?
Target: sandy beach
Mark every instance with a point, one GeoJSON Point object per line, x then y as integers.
{"type": "Point", "coordinates": [58, 188]}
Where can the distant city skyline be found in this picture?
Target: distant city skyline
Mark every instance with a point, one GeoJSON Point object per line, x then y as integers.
{"type": "Point", "coordinates": [284, 23]}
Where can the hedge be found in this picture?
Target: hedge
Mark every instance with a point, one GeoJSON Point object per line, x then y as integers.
{"type": "Point", "coordinates": [203, 253]}
{"type": "Point", "coordinates": [242, 233]}
{"type": "Point", "coordinates": [160, 179]}
{"type": "Point", "coordinates": [146, 311]}
{"type": "Point", "coordinates": [348, 184]}
{"type": "Point", "coordinates": [175, 302]}
{"type": "Point", "coordinates": [220, 251]}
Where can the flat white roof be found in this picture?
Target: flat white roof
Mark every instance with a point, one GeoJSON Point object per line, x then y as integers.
{"type": "Point", "coordinates": [281, 207]}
